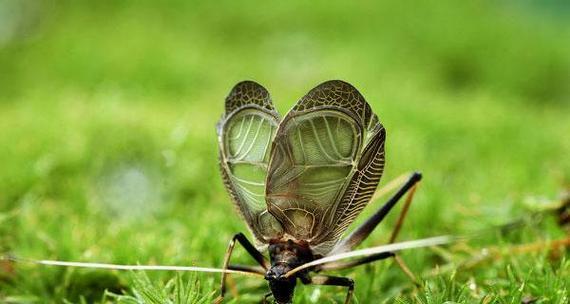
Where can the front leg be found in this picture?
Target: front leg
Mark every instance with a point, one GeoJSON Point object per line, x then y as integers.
{"type": "Point", "coordinates": [265, 299]}
{"type": "Point", "coordinates": [332, 281]}
{"type": "Point", "coordinates": [240, 237]}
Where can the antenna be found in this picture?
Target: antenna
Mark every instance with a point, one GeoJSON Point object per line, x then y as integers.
{"type": "Point", "coordinates": [125, 267]}
{"type": "Point", "coordinates": [428, 242]}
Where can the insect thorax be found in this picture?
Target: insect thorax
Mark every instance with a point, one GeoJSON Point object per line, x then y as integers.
{"type": "Point", "coordinates": [290, 252]}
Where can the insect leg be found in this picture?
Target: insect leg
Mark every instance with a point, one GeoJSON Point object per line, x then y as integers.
{"type": "Point", "coordinates": [358, 262]}
{"type": "Point", "coordinates": [266, 297]}
{"type": "Point", "coordinates": [406, 270]}
{"type": "Point", "coordinates": [396, 231]}
{"type": "Point", "coordinates": [364, 230]}
{"type": "Point", "coordinates": [240, 237]}
{"type": "Point", "coordinates": [403, 214]}
{"type": "Point", "coordinates": [247, 268]}
{"type": "Point", "coordinates": [333, 281]}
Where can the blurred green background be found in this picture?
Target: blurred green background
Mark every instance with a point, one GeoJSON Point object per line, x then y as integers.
{"type": "Point", "coordinates": [108, 150]}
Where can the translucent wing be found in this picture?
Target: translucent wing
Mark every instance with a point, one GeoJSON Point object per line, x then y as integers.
{"type": "Point", "coordinates": [326, 161]}
{"type": "Point", "coordinates": [245, 133]}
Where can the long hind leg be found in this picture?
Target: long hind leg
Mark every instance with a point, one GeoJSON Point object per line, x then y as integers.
{"type": "Point", "coordinates": [364, 230]}
{"type": "Point", "coordinates": [396, 231]}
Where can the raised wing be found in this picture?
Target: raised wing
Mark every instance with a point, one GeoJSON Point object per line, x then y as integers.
{"type": "Point", "coordinates": [245, 133]}
{"type": "Point", "coordinates": [326, 161]}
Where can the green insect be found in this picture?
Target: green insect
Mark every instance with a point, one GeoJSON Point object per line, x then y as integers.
{"type": "Point", "coordinates": [300, 181]}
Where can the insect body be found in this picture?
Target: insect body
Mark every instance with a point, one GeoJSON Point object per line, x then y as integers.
{"type": "Point", "coordinates": [300, 181]}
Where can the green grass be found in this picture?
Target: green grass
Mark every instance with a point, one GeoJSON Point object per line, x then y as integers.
{"type": "Point", "coordinates": [109, 154]}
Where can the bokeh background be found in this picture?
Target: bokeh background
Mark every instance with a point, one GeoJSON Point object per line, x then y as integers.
{"type": "Point", "coordinates": [108, 148]}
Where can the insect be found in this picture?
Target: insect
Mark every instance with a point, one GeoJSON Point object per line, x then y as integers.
{"type": "Point", "coordinates": [301, 180]}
